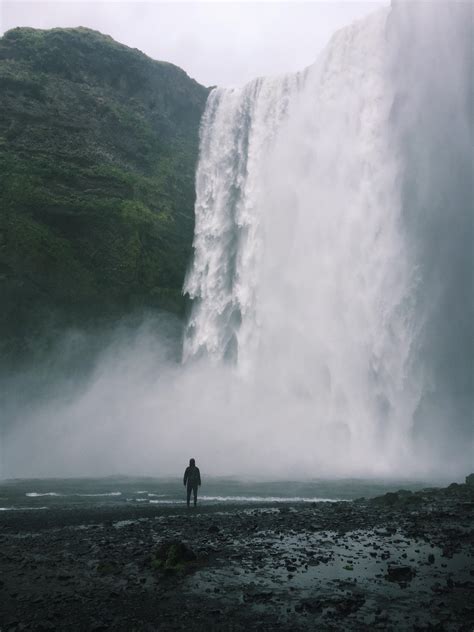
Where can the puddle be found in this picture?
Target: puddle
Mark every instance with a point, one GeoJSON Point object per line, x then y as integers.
{"type": "Point", "coordinates": [280, 571]}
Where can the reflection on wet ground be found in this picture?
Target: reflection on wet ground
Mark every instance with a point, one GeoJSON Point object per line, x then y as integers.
{"type": "Point", "coordinates": [324, 574]}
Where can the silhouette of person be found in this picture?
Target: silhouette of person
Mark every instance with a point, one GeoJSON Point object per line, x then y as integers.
{"type": "Point", "coordinates": [192, 480]}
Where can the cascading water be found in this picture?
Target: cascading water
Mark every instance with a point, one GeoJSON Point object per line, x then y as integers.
{"type": "Point", "coordinates": [238, 131]}
{"type": "Point", "coordinates": [306, 272]}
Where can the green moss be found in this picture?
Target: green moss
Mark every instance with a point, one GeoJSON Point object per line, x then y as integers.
{"type": "Point", "coordinates": [173, 557]}
{"type": "Point", "coordinates": [98, 148]}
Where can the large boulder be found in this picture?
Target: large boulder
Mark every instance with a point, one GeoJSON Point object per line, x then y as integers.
{"type": "Point", "coordinates": [172, 556]}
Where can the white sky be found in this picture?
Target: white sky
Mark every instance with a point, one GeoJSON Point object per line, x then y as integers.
{"type": "Point", "coordinates": [223, 43]}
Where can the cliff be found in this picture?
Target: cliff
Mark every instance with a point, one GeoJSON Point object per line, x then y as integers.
{"type": "Point", "coordinates": [98, 148]}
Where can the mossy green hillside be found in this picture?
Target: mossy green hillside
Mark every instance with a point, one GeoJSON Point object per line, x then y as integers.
{"type": "Point", "coordinates": [98, 149]}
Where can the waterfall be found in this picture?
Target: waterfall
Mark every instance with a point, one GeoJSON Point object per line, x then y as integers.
{"type": "Point", "coordinates": [238, 131]}
{"type": "Point", "coordinates": [318, 216]}
{"type": "Point", "coordinates": [331, 287]}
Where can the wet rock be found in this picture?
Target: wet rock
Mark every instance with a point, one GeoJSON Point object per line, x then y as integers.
{"type": "Point", "coordinates": [453, 487]}
{"type": "Point", "coordinates": [257, 596]}
{"type": "Point", "coordinates": [106, 567]}
{"type": "Point", "coordinates": [45, 626]}
{"type": "Point", "coordinates": [381, 616]}
{"type": "Point", "coordinates": [401, 498]}
{"type": "Point", "coordinates": [310, 605]}
{"type": "Point", "coordinates": [350, 604]}
{"type": "Point", "coordinates": [172, 556]}
{"type": "Point", "coordinates": [399, 573]}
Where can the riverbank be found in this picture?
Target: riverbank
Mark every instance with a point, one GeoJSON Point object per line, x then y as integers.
{"type": "Point", "coordinates": [401, 561]}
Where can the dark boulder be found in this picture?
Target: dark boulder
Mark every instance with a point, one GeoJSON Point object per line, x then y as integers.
{"type": "Point", "coordinates": [172, 555]}
{"type": "Point", "coordinates": [400, 573]}
{"type": "Point", "coordinates": [402, 497]}
{"type": "Point", "coordinates": [310, 605]}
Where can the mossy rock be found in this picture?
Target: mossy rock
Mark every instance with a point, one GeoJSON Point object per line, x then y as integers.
{"type": "Point", "coordinates": [173, 556]}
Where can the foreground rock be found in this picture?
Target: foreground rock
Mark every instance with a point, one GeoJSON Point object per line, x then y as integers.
{"type": "Point", "coordinates": [397, 562]}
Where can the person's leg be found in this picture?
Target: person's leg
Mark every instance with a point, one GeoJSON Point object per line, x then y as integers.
{"type": "Point", "coordinates": [195, 490]}
{"type": "Point", "coordinates": [188, 494]}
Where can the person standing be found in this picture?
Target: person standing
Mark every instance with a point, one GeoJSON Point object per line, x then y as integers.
{"type": "Point", "coordinates": [192, 480]}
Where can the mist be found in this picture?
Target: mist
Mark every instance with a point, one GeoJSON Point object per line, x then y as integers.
{"type": "Point", "coordinates": [138, 410]}
{"type": "Point", "coordinates": [331, 327]}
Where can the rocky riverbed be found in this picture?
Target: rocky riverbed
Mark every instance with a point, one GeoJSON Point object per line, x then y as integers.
{"type": "Point", "coordinates": [402, 561]}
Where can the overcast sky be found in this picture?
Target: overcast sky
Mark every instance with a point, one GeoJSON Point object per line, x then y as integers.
{"type": "Point", "coordinates": [223, 43]}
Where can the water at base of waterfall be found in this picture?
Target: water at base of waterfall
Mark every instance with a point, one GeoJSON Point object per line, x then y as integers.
{"type": "Point", "coordinates": [44, 494]}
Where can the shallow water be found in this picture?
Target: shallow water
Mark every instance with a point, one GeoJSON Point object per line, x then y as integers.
{"type": "Point", "coordinates": [47, 493]}
{"type": "Point", "coordinates": [286, 572]}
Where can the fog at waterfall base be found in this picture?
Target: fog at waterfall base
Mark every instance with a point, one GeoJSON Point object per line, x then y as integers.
{"type": "Point", "coordinates": [138, 411]}
{"type": "Point", "coordinates": [330, 332]}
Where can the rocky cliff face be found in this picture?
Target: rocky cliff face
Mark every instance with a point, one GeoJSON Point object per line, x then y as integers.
{"type": "Point", "coordinates": [98, 147]}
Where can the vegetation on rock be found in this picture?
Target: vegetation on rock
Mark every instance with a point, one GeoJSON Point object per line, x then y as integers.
{"type": "Point", "coordinates": [172, 557]}
{"type": "Point", "coordinates": [98, 148]}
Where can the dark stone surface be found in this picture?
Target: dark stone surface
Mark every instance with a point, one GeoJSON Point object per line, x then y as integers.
{"type": "Point", "coordinates": [297, 567]}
